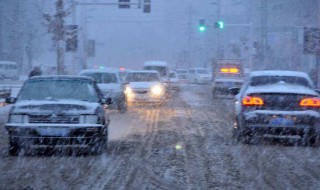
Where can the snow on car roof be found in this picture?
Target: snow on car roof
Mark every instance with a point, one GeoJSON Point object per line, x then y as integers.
{"type": "Point", "coordinates": [44, 77]}
{"type": "Point", "coordinates": [281, 88]}
{"type": "Point", "coordinates": [144, 71]}
{"type": "Point", "coordinates": [156, 63]}
{"type": "Point", "coordinates": [104, 70]}
{"type": "Point", "coordinates": [278, 73]}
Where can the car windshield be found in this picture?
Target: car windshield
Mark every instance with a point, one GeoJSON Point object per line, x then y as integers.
{"type": "Point", "coordinates": [103, 77]}
{"type": "Point", "coordinates": [202, 71]}
{"type": "Point", "coordinates": [181, 71]}
{"type": "Point", "coordinates": [266, 80]}
{"type": "Point", "coordinates": [142, 77]}
{"type": "Point", "coordinates": [59, 90]}
{"type": "Point", "coordinates": [172, 75]}
{"type": "Point", "coordinates": [162, 70]}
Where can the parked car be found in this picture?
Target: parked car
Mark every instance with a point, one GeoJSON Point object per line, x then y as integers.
{"type": "Point", "coordinates": [111, 85]}
{"type": "Point", "coordinates": [145, 86]}
{"type": "Point", "coordinates": [58, 112]}
{"type": "Point", "coordinates": [174, 81]}
{"type": "Point", "coordinates": [182, 75]}
{"type": "Point", "coordinates": [199, 75]}
{"type": "Point", "coordinates": [277, 104]}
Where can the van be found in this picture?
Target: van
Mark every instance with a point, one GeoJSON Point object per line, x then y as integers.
{"type": "Point", "coordinates": [160, 66]}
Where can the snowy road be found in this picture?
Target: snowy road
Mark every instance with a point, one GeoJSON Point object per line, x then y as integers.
{"type": "Point", "coordinates": [185, 144]}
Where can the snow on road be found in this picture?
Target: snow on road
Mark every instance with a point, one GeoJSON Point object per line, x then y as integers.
{"type": "Point", "coordinates": [185, 144]}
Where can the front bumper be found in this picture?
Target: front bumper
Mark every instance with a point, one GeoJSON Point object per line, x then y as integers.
{"type": "Point", "coordinates": [37, 136]}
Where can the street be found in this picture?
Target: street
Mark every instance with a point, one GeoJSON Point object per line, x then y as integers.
{"type": "Point", "coordinates": [185, 144]}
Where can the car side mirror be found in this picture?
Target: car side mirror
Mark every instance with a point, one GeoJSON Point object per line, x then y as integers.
{"type": "Point", "coordinates": [234, 90]}
{"type": "Point", "coordinates": [107, 101]}
{"type": "Point", "coordinates": [11, 100]}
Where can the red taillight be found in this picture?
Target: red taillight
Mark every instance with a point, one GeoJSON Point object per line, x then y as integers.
{"type": "Point", "coordinates": [252, 101]}
{"type": "Point", "coordinates": [310, 102]}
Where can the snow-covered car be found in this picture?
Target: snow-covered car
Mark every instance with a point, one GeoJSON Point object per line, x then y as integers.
{"type": "Point", "coordinates": [144, 86]}
{"type": "Point", "coordinates": [58, 112]}
{"type": "Point", "coordinates": [174, 81]}
{"type": "Point", "coordinates": [199, 75]}
{"type": "Point", "coordinates": [111, 86]}
{"type": "Point", "coordinates": [226, 75]}
{"type": "Point", "coordinates": [277, 104]}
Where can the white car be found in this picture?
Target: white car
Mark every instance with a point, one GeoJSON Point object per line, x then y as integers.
{"type": "Point", "coordinates": [174, 81]}
{"type": "Point", "coordinates": [199, 75]}
{"type": "Point", "coordinates": [144, 86]}
{"type": "Point", "coordinates": [110, 84]}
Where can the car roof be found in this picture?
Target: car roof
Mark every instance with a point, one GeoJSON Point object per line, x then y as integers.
{"type": "Point", "coordinates": [156, 63]}
{"type": "Point", "coordinates": [105, 70]}
{"type": "Point", "coordinates": [60, 77]}
{"type": "Point", "coordinates": [144, 71]}
{"type": "Point", "coordinates": [279, 73]}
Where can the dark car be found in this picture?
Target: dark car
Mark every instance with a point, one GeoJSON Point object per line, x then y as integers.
{"type": "Point", "coordinates": [277, 104]}
{"type": "Point", "coordinates": [58, 112]}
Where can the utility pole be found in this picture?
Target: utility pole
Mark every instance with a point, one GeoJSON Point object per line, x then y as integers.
{"type": "Point", "coordinates": [57, 28]}
{"type": "Point", "coordinates": [264, 31]}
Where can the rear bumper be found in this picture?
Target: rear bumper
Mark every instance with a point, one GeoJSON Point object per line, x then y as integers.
{"type": "Point", "coordinates": [281, 123]}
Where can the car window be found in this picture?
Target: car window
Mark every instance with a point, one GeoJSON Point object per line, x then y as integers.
{"type": "Point", "coordinates": [59, 89]}
{"type": "Point", "coordinates": [103, 77]}
{"type": "Point", "coordinates": [265, 80]}
{"type": "Point", "coordinates": [142, 77]}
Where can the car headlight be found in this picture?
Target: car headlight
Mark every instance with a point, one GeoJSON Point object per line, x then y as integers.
{"type": "Point", "coordinates": [89, 119]}
{"type": "Point", "coordinates": [18, 118]}
{"type": "Point", "coordinates": [129, 92]}
{"type": "Point", "coordinates": [157, 90]}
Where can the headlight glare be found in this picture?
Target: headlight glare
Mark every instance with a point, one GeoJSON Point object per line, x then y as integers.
{"type": "Point", "coordinates": [157, 90]}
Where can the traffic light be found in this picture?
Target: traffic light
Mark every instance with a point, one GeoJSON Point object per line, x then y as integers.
{"type": "Point", "coordinates": [147, 6]}
{"type": "Point", "coordinates": [219, 24]}
{"type": "Point", "coordinates": [202, 27]}
{"type": "Point", "coordinates": [124, 4]}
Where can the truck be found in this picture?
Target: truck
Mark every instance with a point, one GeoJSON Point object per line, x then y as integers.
{"type": "Point", "coordinates": [226, 73]}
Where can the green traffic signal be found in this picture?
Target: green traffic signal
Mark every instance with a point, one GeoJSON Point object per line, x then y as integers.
{"type": "Point", "coordinates": [219, 24]}
{"type": "Point", "coordinates": [202, 28]}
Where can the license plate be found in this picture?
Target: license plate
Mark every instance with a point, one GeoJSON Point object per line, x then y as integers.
{"type": "Point", "coordinates": [282, 122]}
{"type": "Point", "coordinates": [53, 131]}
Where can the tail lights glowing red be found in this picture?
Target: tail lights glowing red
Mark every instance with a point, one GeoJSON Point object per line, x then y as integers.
{"type": "Point", "coordinates": [310, 102]}
{"type": "Point", "coordinates": [252, 101]}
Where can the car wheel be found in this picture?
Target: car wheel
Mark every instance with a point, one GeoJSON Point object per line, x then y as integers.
{"type": "Point", "coordinates": [123, 107]}
{"type": "Point", "coordinates": [101, 145]}
{"type": "Point", "coordinates": [14, 148]}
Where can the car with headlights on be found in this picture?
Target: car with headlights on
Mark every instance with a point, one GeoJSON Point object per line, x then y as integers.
{"type": "Point", "coordinates": [278, 105]}
{"type": "Point", "coordinates": [110, 84]}
{"type": "Point", "coordinates": [144, 86]}
{"type": "Point", "coordinates": [58, 112]}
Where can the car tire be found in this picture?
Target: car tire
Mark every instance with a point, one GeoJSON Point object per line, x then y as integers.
{"type": "Point", "coordinates": [101, 145]}
{"type": "Point", "coordinates": [123, 107]}
{"type": "Point", "coordinates": [14, 148]}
